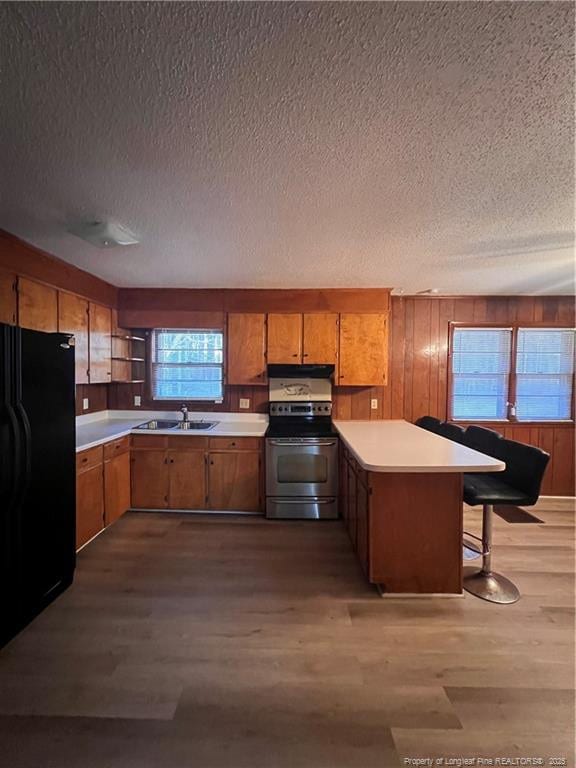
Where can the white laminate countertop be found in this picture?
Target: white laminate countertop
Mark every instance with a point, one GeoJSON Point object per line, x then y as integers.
{"type": "Point", "coordinates": [398, 446]}
{"type": "Point", "coordinates": [99, 428]}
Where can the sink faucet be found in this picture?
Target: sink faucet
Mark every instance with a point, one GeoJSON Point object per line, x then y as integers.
{"type": "Point", "coordinates": [184, 412]}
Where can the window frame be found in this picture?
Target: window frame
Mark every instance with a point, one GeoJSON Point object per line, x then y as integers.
{"type": "Point", "coordinates": [150, 366]}
{"type": "Point", "coordinates": [515, 326]}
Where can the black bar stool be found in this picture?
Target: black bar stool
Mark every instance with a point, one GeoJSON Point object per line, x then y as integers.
{"type": "Point", "coordinates": [519, 484]}
{"type": "Point", "coordinates": [430, 423]}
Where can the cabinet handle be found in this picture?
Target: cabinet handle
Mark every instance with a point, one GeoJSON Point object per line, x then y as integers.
{"type": "Point", "coordinates": [84, 461]}
{"type": "Point", "coordinates": [295, 355]}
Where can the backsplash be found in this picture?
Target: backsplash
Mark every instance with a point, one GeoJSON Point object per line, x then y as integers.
{"type": "Point", "coordinates": [97, 395]}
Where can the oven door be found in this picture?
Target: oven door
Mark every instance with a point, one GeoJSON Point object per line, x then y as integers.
{"type": "Point", "coordinates": [301, 466]}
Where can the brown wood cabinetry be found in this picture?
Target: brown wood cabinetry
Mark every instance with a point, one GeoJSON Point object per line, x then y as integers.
{"type": "Point", "coordinates": [100, 343]}
{"type": "Point", "coordinates": [284, 338]}
{"type": "Point", "coordinates": [89, 494]}
{"type": "Point", "coordinates": [234, 480]}
{"type": "Point", "coordinates": [187, 483]}
{"type": "Point", "coordinates": [8, 298]}
{"type": "Point", "coordinates": [406, 529]}
{"type": "Point", "coordinates": [191, 472]}
{"type": "Point", "coordinates": [37, 306]}
{"type": "Point", "coordinates": [116, 479]}
{"type": "Point", "coordinates": [320, 339]}
{"type": "Point", "coordinates": [363, 358]}
{"type": "Point", "coordinates": [246, 345]}
{"type": "Point", "coordinates": [150, 480]}
{"type": "Point", "coordinates": [73, 318]}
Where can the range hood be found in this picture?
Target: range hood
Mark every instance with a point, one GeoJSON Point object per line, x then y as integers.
{"type": "Point", "coordinates": [307, 371]}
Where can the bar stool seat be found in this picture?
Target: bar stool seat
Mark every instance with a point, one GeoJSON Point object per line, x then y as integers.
{"type": "Point", "coordinates": [489, 489]}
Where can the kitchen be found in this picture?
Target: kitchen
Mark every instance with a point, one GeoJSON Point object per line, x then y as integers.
{"type": "Point", "coordinates": [244, 482]}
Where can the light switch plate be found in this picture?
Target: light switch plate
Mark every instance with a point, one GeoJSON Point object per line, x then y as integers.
{"type": "Point", "coordinates": [137, 400]}
{"type": "Point", "coordinates": [244, 403]}
{"type": "Point", "coordinates": [374, 404]}
{"type": "Point", "coordinates": [85, 403]}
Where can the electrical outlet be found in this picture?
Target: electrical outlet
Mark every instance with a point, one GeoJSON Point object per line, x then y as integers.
{"type": "Point", "coordinates": [244, 403]}
{"type": "Point", "coordinates": [137, 400]}
{"type": "Point", "coordinates": [85, 403]}
{"type": "Point", "coordinates": [374, 404]}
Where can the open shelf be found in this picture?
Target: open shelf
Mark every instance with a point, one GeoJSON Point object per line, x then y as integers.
{"type": "Point", "coordinates": [128, 357]}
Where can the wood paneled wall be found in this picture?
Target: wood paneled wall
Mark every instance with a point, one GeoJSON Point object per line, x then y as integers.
{"type": "Point", "coordinates": [25, 259]}
{"type": "Point", "coordinates": [97, 395]}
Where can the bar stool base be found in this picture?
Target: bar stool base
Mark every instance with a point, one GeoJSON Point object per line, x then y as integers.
{"type": "Point", "coordinates": [490, 586]}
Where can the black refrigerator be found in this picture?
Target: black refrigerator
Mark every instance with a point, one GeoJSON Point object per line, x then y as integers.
{"type": "Point", "coordinates": [37, 473]}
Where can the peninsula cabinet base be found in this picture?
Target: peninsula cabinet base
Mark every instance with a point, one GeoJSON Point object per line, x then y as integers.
{"type": "Point", "coordinates": [415, 533]}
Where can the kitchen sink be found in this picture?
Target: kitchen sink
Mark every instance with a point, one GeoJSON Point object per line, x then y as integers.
{"type": "Point", "coordinates": [158, 424]}
{"type": "Point", "coordinates": [184, 425]}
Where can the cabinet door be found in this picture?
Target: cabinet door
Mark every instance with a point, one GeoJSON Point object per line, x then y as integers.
{"type": "Point", "coordinates": [321, 339]}
{"type": "Point", "coordinates": [100, 336]}
{"type": "Point", "coordinates": [149, 479]}
{"type": "Point", "coordinates": [284, 338]}
{"type": "Point", "coordinates": [187, 479]}
{"type": "Point", "coordinates": [89, 504]}
{"type": "Point", "coordinates": [234, 481]}
{"type": "Point", "coordinates": [351, 488]}
{"type": "Point", "coordinates": [73, 318]}
{"type": "Point", "coordinates": [362, 525]}
{"type": "Point", "coordinates": [116, 487]}
{"type": "Point", "coordinates": [37, 306]}
{"type": "Point", "coordinates": [7, 298]}
{"type": "Point", "coordinates": [246, 345]}
{"type": "Point", "coordinates": [363, 359]}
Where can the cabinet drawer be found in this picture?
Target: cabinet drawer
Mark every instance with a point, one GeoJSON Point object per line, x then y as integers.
{"type": "Point", "coordinates": [187, 443]}
{"type": "Point", "coordinates": [157, 442]}
{"type": "Point", "coordinates": [90, 458]}
{"type": "Point", "coordinates": [236, 443]}
{"type": "Point", "coordinates": [116, 447]}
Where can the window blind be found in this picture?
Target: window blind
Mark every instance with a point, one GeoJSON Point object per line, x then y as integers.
{"type": "Point", "coordinates": [480, 373]}
{"type": "Point", "coordinates": [544, 371]}
{"type": "Point", "coordinates": [187, 364]}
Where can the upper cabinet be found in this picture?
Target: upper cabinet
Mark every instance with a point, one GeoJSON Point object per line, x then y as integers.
{"type": "Point", "coordinates": [73, 318]}
{"type": "Point", "coordinates": [8, 302]}
{"type": "Point", "coordinates": [320, 339]}
{"type": "Point", "coordinates": [308, 338]}
{"type": "Point", "coordinates": [37, 306]}
{"type": "Point", "coordinates": [284, 338]}
{"type": "Point", "coordinates": [246, 345]}
{"type": "Point", "coordinates": [363, 349]}
{"type": "Point", "coordinates": [100, 344]}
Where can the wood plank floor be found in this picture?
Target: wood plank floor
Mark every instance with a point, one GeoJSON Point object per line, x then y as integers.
{"type": "Point", "coordinates": [196, 642]}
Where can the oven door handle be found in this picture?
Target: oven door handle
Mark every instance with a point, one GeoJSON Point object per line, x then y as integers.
{"type": "Point", "coordinates": [308, 501]}
{"type": "Point", "coordinates": [286, 444]}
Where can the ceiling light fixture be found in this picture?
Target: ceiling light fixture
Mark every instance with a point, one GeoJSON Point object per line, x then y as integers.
{"type": "Point", "coordinates": [103, 234]}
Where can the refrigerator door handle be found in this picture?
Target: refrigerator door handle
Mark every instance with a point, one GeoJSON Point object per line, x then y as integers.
{"type": "Point", "coordinates": [25, 453]}
{"type": "Point", "coordinates": [13, 487]}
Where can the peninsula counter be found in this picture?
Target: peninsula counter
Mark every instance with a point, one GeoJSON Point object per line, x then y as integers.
{"type": "Point", "coordinates": [401, 500]}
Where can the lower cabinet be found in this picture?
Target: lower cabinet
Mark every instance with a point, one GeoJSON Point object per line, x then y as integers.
{"type": "Point", "coordinates": [150, 481]}
{"type": "Point", "coordinates": [190, 472]}
{"type": "Point", "coordinates": [234, 481]}
{"type": "Point", "coordinates": [355, 497]}
{"type": "Point", "coordinates": [89, 494]}
{"type": "Point", "coordinates": [102, 487]}
{"type": "Point", "coordinates": [187, 479]}
{"type": "Point", "coordinates": [116, 479]}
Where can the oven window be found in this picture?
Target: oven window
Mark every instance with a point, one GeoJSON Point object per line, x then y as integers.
{"type": "Point", "coordinates": [302, 469]}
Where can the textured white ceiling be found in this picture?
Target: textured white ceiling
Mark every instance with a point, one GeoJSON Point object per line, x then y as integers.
{"type": "Point", "coordinates": [408, 144]}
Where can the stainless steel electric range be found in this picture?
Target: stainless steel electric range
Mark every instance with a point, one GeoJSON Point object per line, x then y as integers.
{"type": "Point", "coordinates": [301, 444]}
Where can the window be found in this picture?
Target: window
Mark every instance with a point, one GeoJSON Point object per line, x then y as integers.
{"type": "Point", "coordinates": [186, 364]}
{"type": "Point", "coordinates": [517, 374]}
{"type": "Point", "coordinates": [544, 371]}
